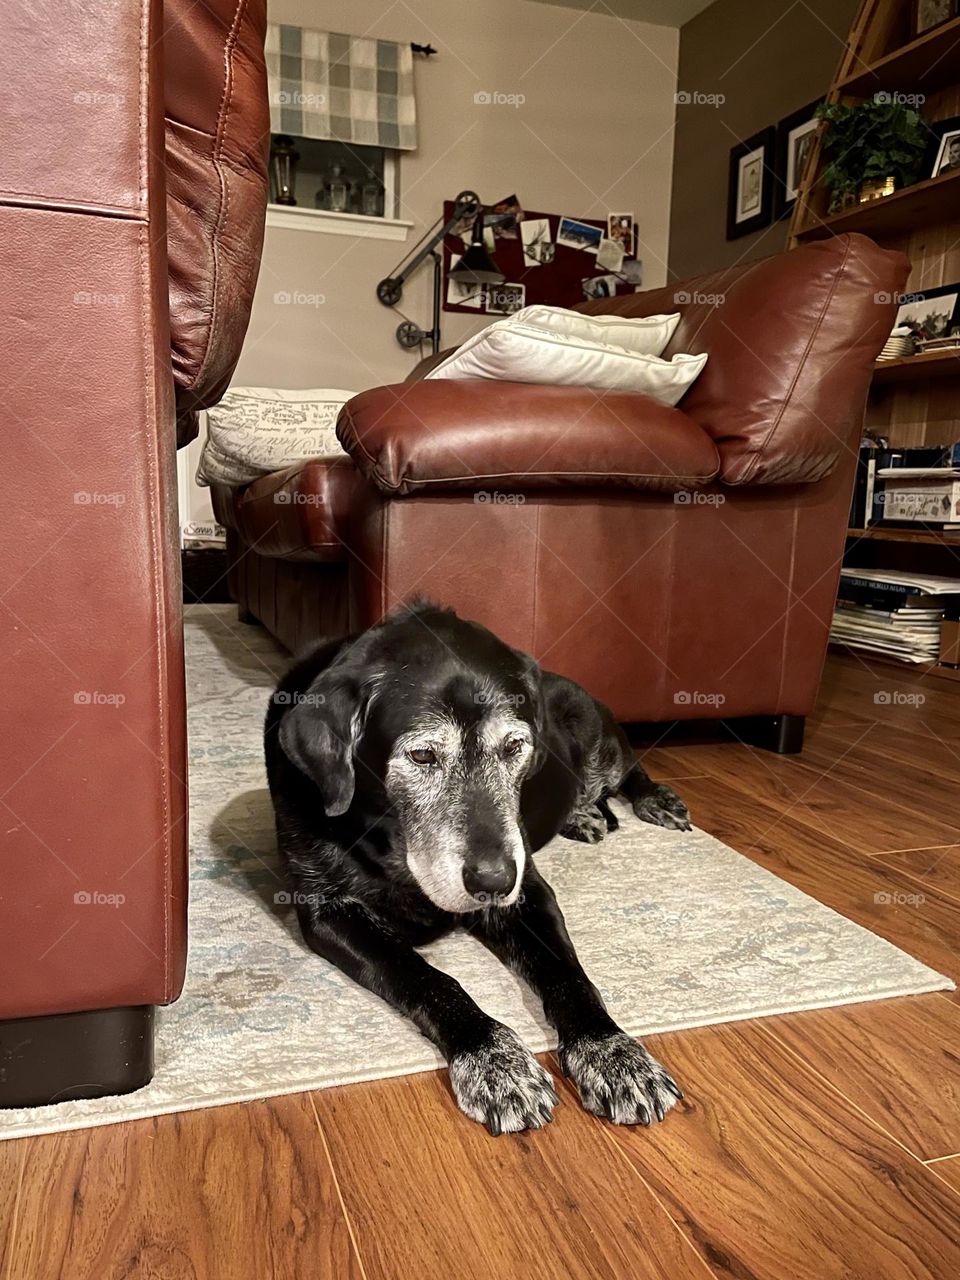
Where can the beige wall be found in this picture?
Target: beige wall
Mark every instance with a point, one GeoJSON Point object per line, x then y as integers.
{"type": "Point", "coordinates": [595, 133]}
{"type": "Point", "coordinates": [766, 60]}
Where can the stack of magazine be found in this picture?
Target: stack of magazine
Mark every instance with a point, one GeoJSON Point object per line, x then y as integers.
{"type": "Point", "coordinates": [894, 614]}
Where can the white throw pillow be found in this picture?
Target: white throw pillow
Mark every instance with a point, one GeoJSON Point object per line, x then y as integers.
{"type": "Point", "coordinates": [520, 353]}
{"type": "Point", "coordinates": [256, 430]}
{"type": "Point", "coordinates": [645, 335]}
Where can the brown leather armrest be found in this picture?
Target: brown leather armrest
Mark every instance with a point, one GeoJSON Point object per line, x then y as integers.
{"type": "Point", "coordinates": [518, 436]}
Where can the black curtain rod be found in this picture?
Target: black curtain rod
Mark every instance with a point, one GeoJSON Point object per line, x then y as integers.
{"type": "Point", "coordinates": [425, 49]}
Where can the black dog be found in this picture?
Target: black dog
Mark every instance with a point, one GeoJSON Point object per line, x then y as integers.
{"type": "Point", "coordinates": [414, 770]}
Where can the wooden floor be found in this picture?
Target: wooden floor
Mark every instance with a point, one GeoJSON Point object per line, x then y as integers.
{"type": "Point", "coordinates": [823, 1144]}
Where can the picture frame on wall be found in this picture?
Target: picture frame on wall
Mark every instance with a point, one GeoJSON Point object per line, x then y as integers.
{"type": "Point", "coordinates": [928, 14]}
{"type": "Point", "coordinates": [750, 184]}
{"type": "Point", "coordinates": [795, 135]}
{"type": "Point", "coordinates": [945, 149]}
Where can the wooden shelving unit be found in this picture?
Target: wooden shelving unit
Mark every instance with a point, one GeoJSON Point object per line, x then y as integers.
{"type": "Point", "coordinates": [931, 364]}
{"type": "Point", "coordinates": [908, 210]}
{"type": "Point", "coordinates": [914, 400]}
{"type": "Point", "coordinates": [924, 65]}
{"type": "Point", "coordinates": [923, 537]}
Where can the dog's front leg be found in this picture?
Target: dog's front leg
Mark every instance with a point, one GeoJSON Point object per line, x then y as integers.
{"type": "Point", "coordinates": [495, 1078]}
{"type": "Point", "coordinates": [615, 1075]}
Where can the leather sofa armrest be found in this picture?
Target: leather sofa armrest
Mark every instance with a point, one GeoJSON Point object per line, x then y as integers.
{"type": "Point", "coordinates": [423, 367]}
{"type": "Point", "coordinates": [518, 436]}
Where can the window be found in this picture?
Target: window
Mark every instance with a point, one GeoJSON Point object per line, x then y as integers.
{"type": "Point", "coordinates": [336, 177]}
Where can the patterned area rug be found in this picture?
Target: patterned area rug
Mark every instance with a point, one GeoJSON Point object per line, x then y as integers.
{"type": "Point", "coordinates": [676, 929]}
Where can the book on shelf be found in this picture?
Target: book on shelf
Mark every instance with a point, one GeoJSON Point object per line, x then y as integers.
{"type": "Point", "coordinates": [892, 613]}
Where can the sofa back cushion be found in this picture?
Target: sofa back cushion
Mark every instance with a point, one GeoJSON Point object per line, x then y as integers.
{"type": "Point", "coordinates": [792, 342]}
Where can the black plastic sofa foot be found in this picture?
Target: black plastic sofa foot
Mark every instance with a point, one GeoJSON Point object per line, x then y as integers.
{"type": "Point", "coordinates": [244, 615]}
{"type": "Point", "coordinates": [62, 1056]}
{"type": "Point", "coordinates": [782, 734]}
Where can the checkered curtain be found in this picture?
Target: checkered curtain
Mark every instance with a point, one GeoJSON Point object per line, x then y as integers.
{"type": "Point", "coordinates": [345, 88]}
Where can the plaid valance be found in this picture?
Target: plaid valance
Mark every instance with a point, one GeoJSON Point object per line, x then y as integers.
{"type": "Point", "coordinates": [345, 88]}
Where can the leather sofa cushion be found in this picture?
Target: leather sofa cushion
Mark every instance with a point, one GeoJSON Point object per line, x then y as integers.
{"type": "Point", "coordinates": [297, 514]}
{"type": "Point", "coordinates": [792, 341]}
{"type": "Point", "coordinates": [517, 436]}
{"type": "Point", "coordinates": [217, 141]}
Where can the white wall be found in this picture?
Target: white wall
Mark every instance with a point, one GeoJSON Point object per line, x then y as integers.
{"type": "Point", "coordinates": [594, 134]}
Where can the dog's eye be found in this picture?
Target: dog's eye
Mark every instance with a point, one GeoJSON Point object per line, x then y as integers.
{"type": "Point", "coordinates": [513, 746]}
{"type": "Point", "coordinates": [423, 755]}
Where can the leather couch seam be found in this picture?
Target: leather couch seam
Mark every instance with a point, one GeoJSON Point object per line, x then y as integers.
{"type": "Point", "coordinates": [761, 449]}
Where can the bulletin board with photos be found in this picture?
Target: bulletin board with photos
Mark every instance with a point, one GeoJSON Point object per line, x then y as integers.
{"type": "Point", "coordinates": [546, 258]}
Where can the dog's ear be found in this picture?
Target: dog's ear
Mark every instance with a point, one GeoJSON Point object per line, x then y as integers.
{"type": "Point", "coordinates": [320, 734]}
{"type": "Point", "coordinates": [533, 684]}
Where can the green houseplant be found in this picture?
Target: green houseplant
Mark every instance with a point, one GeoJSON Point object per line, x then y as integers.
{"type": "Point", "coordinates": [877, 139]}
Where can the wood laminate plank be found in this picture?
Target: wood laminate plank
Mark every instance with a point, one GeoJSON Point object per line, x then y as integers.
{"type": "Point", "coordinates": [774, 1174]}
{"type": "Point", "coordinates": [938, 868]}
{"type": "Point", "coordinates": [897, 1060]}
{"type": "Point", "coordinates": [219, 1194]}
{"type": "Point", "coordinates": [869, 822]}
{"type": "Point", "coordinates": [432, 1195]}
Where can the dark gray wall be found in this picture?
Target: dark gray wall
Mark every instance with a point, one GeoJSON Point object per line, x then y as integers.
{"type": "Point", "coordinates": [766, 59]}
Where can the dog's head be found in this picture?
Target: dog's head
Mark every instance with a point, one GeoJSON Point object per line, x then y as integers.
{"type": "Point", "coordinates": [437, 722]}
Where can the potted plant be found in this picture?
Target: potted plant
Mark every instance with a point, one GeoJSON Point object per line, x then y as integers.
{"type": "Point", "coordinates": [872, 148]}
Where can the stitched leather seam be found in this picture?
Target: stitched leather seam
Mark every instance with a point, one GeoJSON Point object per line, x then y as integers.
{"type": "Point", "coordinates": [222, 112]}
{"type": "Point", "coordinates": [49, 204]}
{"type": "Point", "coordinates": [238, 167]}
{"type": "Point", "coordinates": [153, 504]}
{"type": "Point", "coordinates": [502, 475]}
{"type": "Point", "coordinates": [759, 452]}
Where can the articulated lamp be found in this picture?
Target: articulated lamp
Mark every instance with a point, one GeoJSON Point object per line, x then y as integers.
{"type": "Point", "coordinates": [476, 266]}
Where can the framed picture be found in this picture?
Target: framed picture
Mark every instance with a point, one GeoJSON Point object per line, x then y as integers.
{"type": "Point", "coordinates": [946, 151]}
{"type": "Point", "coordinates": [750, 190]}
{"type": "Point", "coordinates": [928, 14]}
{"type": "Point", "coordinates": [931, 313]}
{"type": "Point", "coordinates": [795, 134]}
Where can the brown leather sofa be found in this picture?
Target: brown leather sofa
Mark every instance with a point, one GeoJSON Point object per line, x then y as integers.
{"type": "Point", "coordinates": [680, 563]}
{"type": "Point", "coordinates": [132, 198]}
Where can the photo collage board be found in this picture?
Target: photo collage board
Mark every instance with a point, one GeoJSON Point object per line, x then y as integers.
{"type": "Point", "coordinates": [546, 258]}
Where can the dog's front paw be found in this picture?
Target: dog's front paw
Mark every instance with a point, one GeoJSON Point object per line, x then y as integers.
{"type": "Point", "coordinates": [586, 825]}
{"type": "Point", "coordinates": [502, 1085]}
{"type": "Point", "coordinates": [618, 1079]}
{"type": "Point", "coordinates": [663, 807]}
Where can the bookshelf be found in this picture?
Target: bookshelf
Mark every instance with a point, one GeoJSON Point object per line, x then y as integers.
{"type": "Point", "coordinates": [915, 400]}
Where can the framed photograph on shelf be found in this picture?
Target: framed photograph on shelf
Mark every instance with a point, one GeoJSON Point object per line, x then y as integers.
{"type": "Point", "coordinates": [928, 14]}
{"type": "Point", "coordinates": [931, 313]}
{"type": "Point", "coordinates": [795, 134]}
{"type": "Point", "coordinates": [945, 155]}
{"type": "Point", "coordinates": [750, 184]}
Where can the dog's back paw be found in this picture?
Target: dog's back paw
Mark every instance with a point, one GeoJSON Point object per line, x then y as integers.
{"type": "Point", "coordinates": [663, 807]}
{"type": "Point", "coordinates": [586, 825]}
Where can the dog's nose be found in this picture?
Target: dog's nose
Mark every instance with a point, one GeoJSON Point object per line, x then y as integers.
{"type": "Point", "coordinates": [490, 878]}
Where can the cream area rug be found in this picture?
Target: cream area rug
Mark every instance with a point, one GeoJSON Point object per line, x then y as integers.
{"type": "Point", "coordinates": [676, 930]}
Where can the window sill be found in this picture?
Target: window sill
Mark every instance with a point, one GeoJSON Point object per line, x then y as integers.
{"type": "Point", "coordinates": [301, 218]}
